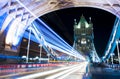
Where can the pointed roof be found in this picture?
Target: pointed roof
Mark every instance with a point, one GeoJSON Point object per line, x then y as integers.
{"type": "Point", "coordinates": [82, 18]}
{"type": "Point", "coordinates": [83, 21]}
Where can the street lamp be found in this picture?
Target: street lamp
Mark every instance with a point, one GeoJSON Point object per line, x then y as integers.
{"type": "Point", "coordinates": [36, 59]}
{"type": "Point", "coordinates": [40, 52]}
{"type": "Point", "coordinates": [48, 57]}
{"type": "Point", "coordinates": [117, 41]}
{"type": "Point", "coordinates": [24, 58]}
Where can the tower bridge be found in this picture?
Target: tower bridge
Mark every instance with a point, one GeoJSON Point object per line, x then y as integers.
{"type": "Point", "coordinates": [17, 21]}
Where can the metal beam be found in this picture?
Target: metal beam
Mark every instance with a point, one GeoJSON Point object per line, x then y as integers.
{"type": "Point", "coordinates": [112, 40]}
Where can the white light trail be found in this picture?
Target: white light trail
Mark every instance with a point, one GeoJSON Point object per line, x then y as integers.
{"type": "Point", "coordinates": [65, 73]}
{"type": "Point", "coordinates": [36, 75]}
{"type": "Point", "coordinates": [61, 41]}
{"type": "Point", "coordinates": [62, 73]}
{"type": "Point", "coordinates": [81, 67]}
{"type": "Point", "coordinates": [113, 38]}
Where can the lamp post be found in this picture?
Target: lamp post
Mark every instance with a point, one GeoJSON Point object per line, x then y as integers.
{"type": "Point", "coordinates": [117, 41]}
{"type": "Point", "coordinates": [40, 52]}
{"type": "Point", "coordinates": [28, 44]}
{"type": "Point", "coordinates": [112, 57]}
{"type": "Point", "coordinates": [48, 57]}
{"type": "Point", "coordinates": [107, 61]}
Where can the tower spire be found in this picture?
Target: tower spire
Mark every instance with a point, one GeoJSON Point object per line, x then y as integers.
{"type": "Point", "coordinates": [82, 18]}
{"type": "Point", "coordinates": [75, 22]}
{"type": "Point", "coordinates": [90, 20]}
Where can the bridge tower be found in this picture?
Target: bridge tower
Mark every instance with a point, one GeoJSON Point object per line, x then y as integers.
{"type": "Point", "coordinates": [83, 38]}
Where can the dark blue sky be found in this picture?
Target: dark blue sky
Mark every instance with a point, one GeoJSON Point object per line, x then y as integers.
{"type": "Point", "coordinates": [62, 22]}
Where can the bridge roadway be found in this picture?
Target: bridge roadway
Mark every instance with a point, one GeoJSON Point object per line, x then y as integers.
{"type": "Point", "coordinates": [56, 72]}
{"type": "Point", "coordinates": [82, 70]}
{"type": "Point", "coordinates": [12, 73]}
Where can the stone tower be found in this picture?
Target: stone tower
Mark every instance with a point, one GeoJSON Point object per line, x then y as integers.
{"type": "Point", "coordinates": [83, 36]}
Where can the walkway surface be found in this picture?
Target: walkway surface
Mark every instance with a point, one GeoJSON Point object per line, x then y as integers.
{"type": "Point", "coordinates": [101, 71]}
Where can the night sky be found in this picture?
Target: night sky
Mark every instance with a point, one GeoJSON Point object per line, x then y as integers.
{"type": "Point", "coordinates": [62, 22]}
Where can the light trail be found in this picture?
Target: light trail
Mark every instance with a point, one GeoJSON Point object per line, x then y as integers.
{"type": "Point", "coordinates": [115, 34]}
{"type": "Point", "coordinates": [82, 69]}
{"type": "Point", "coordinates": [36, 75]}
{"type": "Point", "coordinates": [56, 73]}
{"type": "Point", "coordinates": [65, 73]}
{"type": "Point", "coordinates": [49, 34]}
